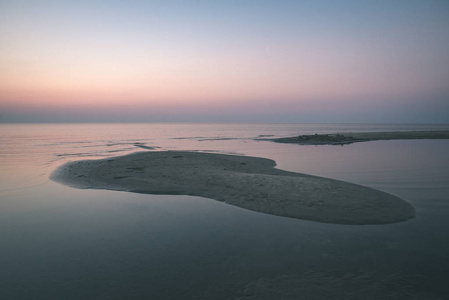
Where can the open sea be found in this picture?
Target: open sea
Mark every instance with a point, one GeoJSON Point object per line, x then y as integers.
{"type": "Point", "coordinates": [58, 242]}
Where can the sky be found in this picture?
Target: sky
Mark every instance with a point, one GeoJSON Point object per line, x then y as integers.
{"type": "Point", "coordinates": [224, 61]}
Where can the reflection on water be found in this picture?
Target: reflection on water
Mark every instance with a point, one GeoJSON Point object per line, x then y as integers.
{"type": "Point", "coordinates": [64, 243]}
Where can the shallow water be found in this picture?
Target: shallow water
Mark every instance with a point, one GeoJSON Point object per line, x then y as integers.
{"type": "Point", "coordinates": [64, 243]}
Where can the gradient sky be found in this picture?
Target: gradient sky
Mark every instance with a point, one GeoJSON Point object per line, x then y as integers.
{"type": "Point", "coordinates": [226, 61]}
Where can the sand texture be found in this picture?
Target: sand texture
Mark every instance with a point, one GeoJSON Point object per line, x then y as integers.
{"type": "Point", "coordinates": [247, 182]}
{"type": "Point", "coordinates": [348, 138]}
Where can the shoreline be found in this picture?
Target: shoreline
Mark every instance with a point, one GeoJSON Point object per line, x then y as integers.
{"type": "Point", "coordinates": [354, 137]}
{"type": "Point", "coordinates": [248, 182]}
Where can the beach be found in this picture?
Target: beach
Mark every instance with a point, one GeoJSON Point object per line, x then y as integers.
{"type": "Point", "coordinates": [354, 137]}
{"type": "Point", "coordinates": [250, 182]}
{"type": "Point", "coordinates": [247, 182]}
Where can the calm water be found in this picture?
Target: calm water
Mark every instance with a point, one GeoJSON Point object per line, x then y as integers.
{"type": "Point", "coordinates": [64, 243]}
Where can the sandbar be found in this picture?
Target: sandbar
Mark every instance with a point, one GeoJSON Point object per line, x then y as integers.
{"type": "Point", "coordinates": [349, 138]}
{"type": "Point", "coordinates": [248, 182]}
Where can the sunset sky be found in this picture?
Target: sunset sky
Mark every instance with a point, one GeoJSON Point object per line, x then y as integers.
{"type": "Point", "coordinates": [224, 61]}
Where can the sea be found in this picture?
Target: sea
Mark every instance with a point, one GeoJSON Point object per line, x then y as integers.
{"type": "Point", "coordinates": [58, 242]}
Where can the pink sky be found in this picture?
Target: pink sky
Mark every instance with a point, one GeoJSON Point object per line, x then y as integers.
{"type": "Point", "coordinates": [81, 57]}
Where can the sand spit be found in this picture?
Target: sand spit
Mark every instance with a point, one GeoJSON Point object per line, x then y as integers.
{"type": "Point", "coordinates": [248, 182]}
{"type": "Point", "coordinates": [348, 138]}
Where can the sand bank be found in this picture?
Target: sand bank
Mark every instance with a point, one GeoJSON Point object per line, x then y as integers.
{"type": "Point", "coordinates": [348, 138]}
{"type": "Point", "coordinates": [248, 182]}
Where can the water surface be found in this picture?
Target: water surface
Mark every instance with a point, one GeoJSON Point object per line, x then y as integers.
{"type": "Point", "coordinates": [64, 243]}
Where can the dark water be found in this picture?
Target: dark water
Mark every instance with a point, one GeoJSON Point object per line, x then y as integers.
{"type": "Point", "coordinates": [64, 243]}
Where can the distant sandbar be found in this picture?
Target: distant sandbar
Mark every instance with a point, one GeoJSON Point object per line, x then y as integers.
{"type": "Point", "coordinates": [348, 138]}
{"type": "Point", "coordinates": [247, 182]}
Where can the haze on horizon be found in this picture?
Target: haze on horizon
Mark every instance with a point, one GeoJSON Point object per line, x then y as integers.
{"type": "Point", "coordinates": [224, 61]}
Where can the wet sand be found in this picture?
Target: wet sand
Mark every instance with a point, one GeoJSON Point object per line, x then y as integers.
{"type": "Point", "coordinates": [247, 182]}
{"type": "Point", "coordinates": [348, 138]}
